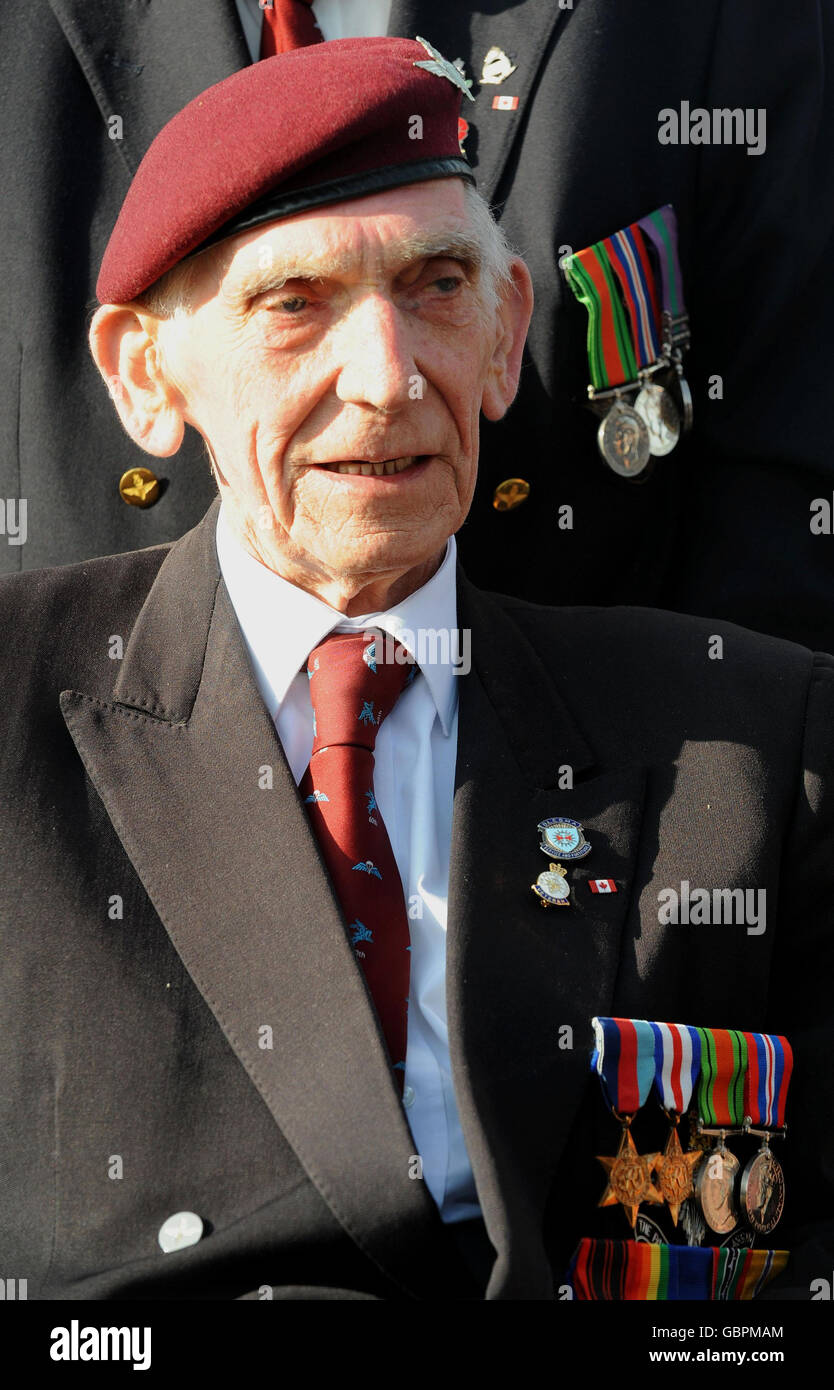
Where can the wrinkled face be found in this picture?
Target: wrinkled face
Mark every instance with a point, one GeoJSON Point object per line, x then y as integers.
{"type": "Point", "coordinates": [337, 372]}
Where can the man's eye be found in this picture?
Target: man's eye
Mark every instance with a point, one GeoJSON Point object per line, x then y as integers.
{"type": "Point", "coordinates": [448, 283]}
{"type": "Point", "coordinates": [294, 305]}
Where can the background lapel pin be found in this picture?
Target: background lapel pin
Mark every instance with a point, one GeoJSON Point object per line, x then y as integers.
{"type": "Point", "coordinates": [497, 66]}
{"type": "Point", "coordinates": [562, 837]}
{"type": "Point", "coordinates": [551, 887]}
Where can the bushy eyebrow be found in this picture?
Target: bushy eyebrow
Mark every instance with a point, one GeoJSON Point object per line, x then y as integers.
{"type": "Point", "coordinates": [399, 255]}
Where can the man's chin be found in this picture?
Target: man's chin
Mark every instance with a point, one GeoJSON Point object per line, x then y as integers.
{"type": "Point", "coordinates": [384, 571]}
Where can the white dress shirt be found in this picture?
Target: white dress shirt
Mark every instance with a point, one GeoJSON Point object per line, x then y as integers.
{"type": "Point", "coordinates": [414, 777]}
{"type": "Point", "coordinates": [337, 19]}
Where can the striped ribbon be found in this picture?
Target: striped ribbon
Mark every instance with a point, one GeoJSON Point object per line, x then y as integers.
{"type": "Point", "coordinates": [769, 1068]}
{"type": "Point", "coordinates": [614, 1270]}
{"type": "Point", "coordinates": [720, 1094]}
{"type": "Point", "coordinates": [611, 359]}
{"type": "Point", "coordinates": [661, 227]}
{"type": "Point", "coordinates": [739, 1275]}
{"type": "Point", "coordinates": [624, 1060]}
{"type": "Point", "coordinates": [677, 1061]}
{"type": "Point", "coordinates": [629, 260]}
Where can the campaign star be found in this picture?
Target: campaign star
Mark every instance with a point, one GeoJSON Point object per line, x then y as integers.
{"type": "Point", "coordinates": [674, 1173]}
{"type": "Point", "coordinates": [441, 67]}
{"type": "Point", "coordinates": [629, 1178]}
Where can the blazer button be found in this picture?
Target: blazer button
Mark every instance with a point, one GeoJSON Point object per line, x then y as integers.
{"type": "Point", "coordinates": [510, 494]}
{"type": "Point", "coordinates": [182, 1229]}
{"type": "Point", "coordinates": [139, 487]}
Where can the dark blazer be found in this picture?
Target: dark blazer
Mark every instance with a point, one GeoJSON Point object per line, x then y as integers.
{"type": "Point", "coordinates": [138, 1037]}
{"type": "Point", "coordinates": [578, 159]}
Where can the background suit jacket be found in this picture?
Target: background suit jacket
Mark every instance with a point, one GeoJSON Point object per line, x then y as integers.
{"type": "Point", "coordinates": [134, 1080]}
{"type": "Point", "coordinates": [578, 159]}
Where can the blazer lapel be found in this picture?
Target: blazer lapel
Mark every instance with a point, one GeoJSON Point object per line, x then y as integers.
{"type": "Point", "coordinates": [144, 62]}
{"type": "Point", "coordinates": [519, 974]}
{"type": "Point", "coordinates": [523, 32]}
{"type": "Point", "coordinates": [182, 759]}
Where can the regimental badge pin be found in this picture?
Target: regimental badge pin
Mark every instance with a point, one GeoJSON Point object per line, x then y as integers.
{"type": "Point", "coordinates": [566, 838]}
{"type": "Point", "coordinates": [461, 67]}
{"type": "Point", "coordinates": [551, 887]}
{"type": "Point", "coordinates": [510, 494]}
{"type": "Point", "coordinates": [497, 66]}
{"type": "Point", "coordinates": [441, 67]}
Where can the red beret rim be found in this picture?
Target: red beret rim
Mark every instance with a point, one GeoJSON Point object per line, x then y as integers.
{"type": "Point", "coordinates": [276, 204]}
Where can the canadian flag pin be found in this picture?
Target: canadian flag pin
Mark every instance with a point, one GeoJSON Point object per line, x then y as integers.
{"type": "Point", "coordinates": [602, 885]}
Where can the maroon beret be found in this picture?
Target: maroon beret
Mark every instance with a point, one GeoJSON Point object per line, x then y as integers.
{"type": "Point", "coordinates": [316, 125]}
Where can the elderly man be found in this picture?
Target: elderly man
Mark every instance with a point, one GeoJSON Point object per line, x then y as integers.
{"type": "Point", "coordinates": [282, 1013]}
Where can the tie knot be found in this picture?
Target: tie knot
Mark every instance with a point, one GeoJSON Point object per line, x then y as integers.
{"type": "Point", "coordinates": [355, 681]}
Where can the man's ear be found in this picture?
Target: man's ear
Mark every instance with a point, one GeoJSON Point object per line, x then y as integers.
{"type": "Point", "coordinates": [514, 313]}
{"type": "Point", "coordinates": [125, 349]}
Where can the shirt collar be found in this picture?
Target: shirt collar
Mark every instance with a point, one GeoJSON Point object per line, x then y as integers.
{"type": "Point", "coordinates": [281, 624]}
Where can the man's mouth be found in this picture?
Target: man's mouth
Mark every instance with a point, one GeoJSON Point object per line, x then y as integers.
{"type": "Point", "coordinates": [380, 469]}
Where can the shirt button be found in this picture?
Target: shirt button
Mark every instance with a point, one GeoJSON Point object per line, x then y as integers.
{"type": "Point", "coordinates": [182, 1229]}
{"type": "Point", "coordinates": [409, 1096]}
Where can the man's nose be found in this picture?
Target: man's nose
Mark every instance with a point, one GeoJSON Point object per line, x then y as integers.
{"type": "Point", "coordinates": [377, 366]}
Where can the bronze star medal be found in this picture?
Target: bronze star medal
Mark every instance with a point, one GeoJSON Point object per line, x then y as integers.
{"type": "Point", "coordinates": [674, 1173]}
{"type": "Point", "coordinates": [629, 1178]}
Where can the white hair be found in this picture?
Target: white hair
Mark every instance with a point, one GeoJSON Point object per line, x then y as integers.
{"type": "Point", "coordinates": [498, 254]}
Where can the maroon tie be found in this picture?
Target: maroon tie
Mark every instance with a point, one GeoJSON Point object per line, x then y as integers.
{"type": "Point", "coordinates": [288, 24]}
{"type": "Point", "coordinates": [352, 690]}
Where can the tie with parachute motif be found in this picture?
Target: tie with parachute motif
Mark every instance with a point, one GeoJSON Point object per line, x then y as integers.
{"type": "Point", "coordinates": [352, 689]}
{"type": "Point", "coordinates": [288, 24]}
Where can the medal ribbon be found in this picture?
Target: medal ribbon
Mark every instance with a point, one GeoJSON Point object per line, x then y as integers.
{"type": "Point", "coordinates": [677, 1061]}
{"type": "Point", "coordinates": [624, 1060]}
{"type": "Point", "coordinates": [628, 257]}
{"type": "Point", "coordinates": [613, 1270]}
{"type": "Point", "coordinates": [611, 358]}
{"type": "Point", "coordinates": [769, 1067]}
{"type": "Point", "coordinates": [661, 227]}
{"type": "Point", "coordinates": [721, 1083]}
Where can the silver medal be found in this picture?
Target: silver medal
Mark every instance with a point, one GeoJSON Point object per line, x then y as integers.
{"type": "Point", "coordinates": [659, 412]}
{"type": "Point", "coordinates": [684, 395]}
{"type": "Point", "coordinates": [623, 440]}
{"type": "Point", "coordinates": [762, 1191]}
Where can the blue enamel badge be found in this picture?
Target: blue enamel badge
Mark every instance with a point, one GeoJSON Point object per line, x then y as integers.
{"type": "Point", "coordinates": [562, 837]}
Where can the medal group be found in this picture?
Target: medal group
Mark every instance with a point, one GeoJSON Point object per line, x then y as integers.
{"type": "Point", "coordinates": [729, 1084]}
{"type": "Point", "coordinates": [740, 1084]}
{"type": "Point", "coordinates": [638, 331]}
